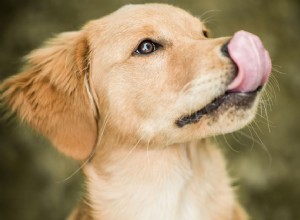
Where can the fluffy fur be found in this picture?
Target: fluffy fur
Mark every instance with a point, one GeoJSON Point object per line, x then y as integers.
{"type": "Point", "coordinates": [102, 104]}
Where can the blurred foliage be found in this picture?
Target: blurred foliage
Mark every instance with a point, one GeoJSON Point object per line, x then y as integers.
{"type": "Point", "coordinates": [36, 182]}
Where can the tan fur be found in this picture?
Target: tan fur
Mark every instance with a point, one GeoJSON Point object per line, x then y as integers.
{"type": "Point", "coordinates": [96, 100]}
{"type": "Point", "coordinates": [50, 94]}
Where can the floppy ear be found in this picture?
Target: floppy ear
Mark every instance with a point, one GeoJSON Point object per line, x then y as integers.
{"type": "Point", "coordinates": [50, 94]}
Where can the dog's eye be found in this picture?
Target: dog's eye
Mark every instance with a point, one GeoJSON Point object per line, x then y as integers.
{"type": "Point", "coordinates": [146, 47]}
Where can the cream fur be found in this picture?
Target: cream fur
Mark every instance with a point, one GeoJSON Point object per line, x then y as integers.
{"type": "Point", "coordinates": [115, 111]}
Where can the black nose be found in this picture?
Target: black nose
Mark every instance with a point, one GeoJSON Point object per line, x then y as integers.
{"type": "Point", "coordinates": [224, 50]}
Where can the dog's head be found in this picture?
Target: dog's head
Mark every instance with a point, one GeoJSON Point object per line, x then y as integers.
{"type": "Point", "coordinates": [148, 73]}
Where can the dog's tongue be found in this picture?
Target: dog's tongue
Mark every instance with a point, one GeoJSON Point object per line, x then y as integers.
{"type": "Point", "coordinates": [252, 60]}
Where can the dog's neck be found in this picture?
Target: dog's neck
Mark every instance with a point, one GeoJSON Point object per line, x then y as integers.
{"type": "Point", "coordinates": [184, 181]}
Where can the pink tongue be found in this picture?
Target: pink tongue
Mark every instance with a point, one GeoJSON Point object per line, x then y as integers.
{"type": "Point", "coordinates": [252, 59]}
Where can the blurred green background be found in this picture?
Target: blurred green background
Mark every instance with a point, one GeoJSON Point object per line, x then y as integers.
{"type": "Point", "coordinates": [36, 182]}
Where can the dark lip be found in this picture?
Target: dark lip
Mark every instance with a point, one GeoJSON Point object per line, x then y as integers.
{"type": "Point", "coordinates": [239, 99]}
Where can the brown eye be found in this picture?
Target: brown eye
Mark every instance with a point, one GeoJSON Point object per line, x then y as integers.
{"type": "Point", "coordinates": [146, 47]}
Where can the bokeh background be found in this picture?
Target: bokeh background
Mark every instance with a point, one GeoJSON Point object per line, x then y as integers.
{"type": "Point", "coordinates": [36, 182]}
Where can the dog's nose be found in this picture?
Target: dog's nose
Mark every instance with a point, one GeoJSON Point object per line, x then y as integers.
{"type": "Point", "coordinates": [224, 50]}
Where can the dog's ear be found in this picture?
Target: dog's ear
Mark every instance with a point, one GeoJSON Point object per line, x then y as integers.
{"type": "Point", "coordinates": [51, 94]}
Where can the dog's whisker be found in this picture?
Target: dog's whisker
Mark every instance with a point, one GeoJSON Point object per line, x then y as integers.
{"type": "Point", "coordinates": [236, 138]}
{"type": "Point", "coordinates": [204, 17]}
{"type": "Point", "coordinates": [148, 158]}
{"type": "Point", "coordinates": [132, 149]}
{"type": "Point", "coordinates": [274, 80]}
{"type": "Point", "coordinates": [208, 12]}
{"type": "Point", "coordinates": [277, 70]}
{"type": "Point", "coordinates": [268, 104]}
{"type": "Point", "coordinates": [186, 88]}
{"type": "Point", "coordinates": [210, 20]}
{"type": "Point", "coordinates": [90, 156]}
{"type": "Point", "coordinates": [264, 120]}
{"type": "Point", "coordinates": [257, 125]}
{"type": "Point", "coordinates": [267, 116]}
{"type": "Point", "coordinates": [105, 122]}
{"type": "Point", "coordinates": [267, 99]}
{"type": "Point", "coordinates": [216, 140]}
{"type": "Point", "coordinates": [263, 111]}
{"type": "Point", "coordinates": [270, 90]}
{"type": "Point", "coordinates": [261, 144]}
{"type": "Point", "coordinates": [228, 144]}
{"type": "Point", "coordinates": [250, 137]}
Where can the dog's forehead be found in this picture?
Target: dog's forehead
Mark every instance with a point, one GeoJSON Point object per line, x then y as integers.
{"type": "Point", "coordinates": [152, 18]}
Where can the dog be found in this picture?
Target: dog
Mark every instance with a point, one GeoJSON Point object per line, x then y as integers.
{"type": "Point", "coordinates": [134, 97]}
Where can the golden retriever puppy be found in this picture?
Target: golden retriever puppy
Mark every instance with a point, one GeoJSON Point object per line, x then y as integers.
{"type": "Point", "coordinates": [135, 96]}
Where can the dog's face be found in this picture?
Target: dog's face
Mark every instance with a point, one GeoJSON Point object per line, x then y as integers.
{"type": "Point", "coordinates": [158, 72]}
{"type": "Point", "coordinates": [151, 73]}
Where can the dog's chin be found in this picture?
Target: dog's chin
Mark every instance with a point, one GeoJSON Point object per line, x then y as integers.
{"type": "Point", "coordinates": [236, 101]}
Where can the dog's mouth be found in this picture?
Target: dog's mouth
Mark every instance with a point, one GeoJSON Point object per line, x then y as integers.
{"type": "Point", "coordinates": [238, 99]}
{"type": "Point", "coordinates": [253, 70]}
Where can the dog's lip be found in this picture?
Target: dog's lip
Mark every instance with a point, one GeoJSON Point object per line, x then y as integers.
{"type": "Point", "coordinates": [229, 98]}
